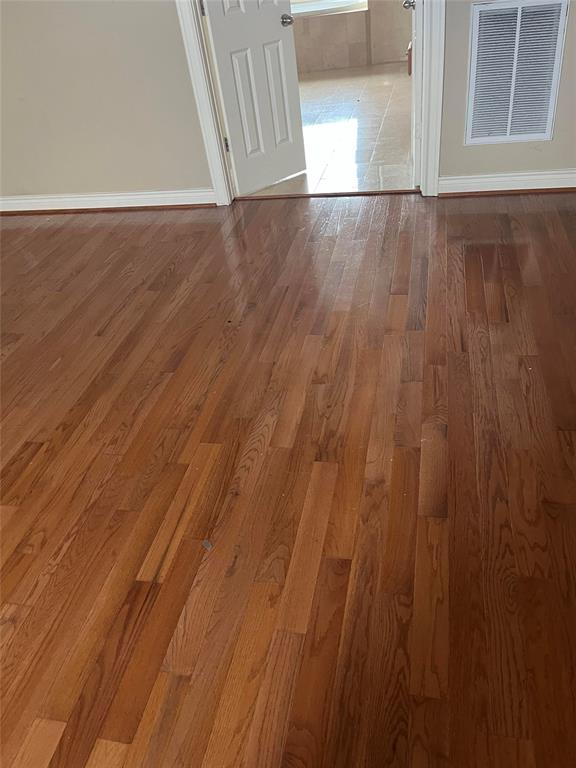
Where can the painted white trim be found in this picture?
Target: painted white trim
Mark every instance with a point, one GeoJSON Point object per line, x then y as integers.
{"type": "Point", "coordinates": [502, 182]}
{"type": "Point", "coordinates": [107, 200]}
{"type": "Point", "coordinates": [416, 105]}
{"type": "Point", "coordinates": [190, 25]}
{"type": "Point", "coordinates": [433, 33]}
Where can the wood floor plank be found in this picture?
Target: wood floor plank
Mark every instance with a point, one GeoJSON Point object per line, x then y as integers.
{"type": "Point", "coordinates": [496, 307]}
{"type": "Point", "coordinates": [399, 523]}
{"type": "Point", "coordinates": [287, 511]}
{"type": "Point", "coordinates": [513, 752]}
{"type": "Point", "coordinates": [233, 552]}
{"type": "Point", "coordinates": [568, 446]}
{"type": "Point", "coordinates": [134, 688]}
{"type": "Point", "coordinates": [551, 694]}
{"type": "Point", "coordinates": [429, 639]}
{"type": "Point", "coordinates": [84, 646]}
{"type": "Point", "coordinates": [382, 429]}
{"type": "Point", "coordinates": [298, 592]}
{"type": "Point", "coordinates": [418, 289]}
{"type": "Point", "coordinates": [385, 723]}
{"type": "Point", "coordinates": [24, 573]}
{"type": "Point", "coordinates": [181, 517]}
{"type": "Point", "coordinates": [508, 691]}
{"type": "Point", "coordinates": [82, 729]}
{"type": "Point", "coordinates": [238, 701]}
{"type": "Point", "coordinates": [209, 648]}
{"type": "Point", "coordinates": [530, 533]}
{"type": "Point", "coordinates": [350, 449]}
{"type": "Point", "coordinates": [306, 740]}
{"type": "Point", "coordinates": [408, 429]}
{"type": "Point", "coordinates": [432, 499]}
{"type": "Point", "coordinates": [413, 359]}
{"type": "Point", "coordinates": [395, 321]}
{"type": "Point", "coordinates": [468, 630]}
{"type": "Point", "coordinates": [47, 631]}
{"type": "Point", "coordinates": [268, 731]}
{"type": "Point", "coordinates": [39, 744]}
{"type": "Point", "coordinates": [291, 411]}
{"type": "Point", "coordinates": [290, 483]}
{"type": "Point", "coordinates": [155, 726]}
{"type": "Point", "coordinates": [558, 385]}
{"type": "Point", "coordinates": [455, 288]}
{"type": "Point", "coordinates": [11, 617]}
{"type": "Point", "coordinates": [429, 738]}
{"type": "Point", "coordinates": [436, 316]}
{"type": "Point", "coordinates": [372, 729]}
{"type": "Point", "coordinates": [403, 261]}
{"type": "Point", "coordinates": [107, 754]}
{"type": "Point", "coordinates": [344, 740]}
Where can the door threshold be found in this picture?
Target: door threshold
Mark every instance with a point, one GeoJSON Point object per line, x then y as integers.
{"type": "Point", "coordinates": [366, 193]}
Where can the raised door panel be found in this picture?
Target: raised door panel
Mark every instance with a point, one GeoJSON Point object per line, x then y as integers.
{"type": "Point", "coordinates": [258, 82]}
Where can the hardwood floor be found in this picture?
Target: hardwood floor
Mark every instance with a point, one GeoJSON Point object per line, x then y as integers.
{"type": "Point", "coordinates": [291, 484]}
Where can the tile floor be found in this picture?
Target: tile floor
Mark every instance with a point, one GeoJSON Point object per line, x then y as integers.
{"type": "Point", "coordinates": [356, 131]}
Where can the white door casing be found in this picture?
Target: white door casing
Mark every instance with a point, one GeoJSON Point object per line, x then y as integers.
{"type": "Point", "coordinates": [431, 76]}
{"type": "Point", "coordinates": [258, 82]}
{"type": "Point", "coordinates": [416, 115]}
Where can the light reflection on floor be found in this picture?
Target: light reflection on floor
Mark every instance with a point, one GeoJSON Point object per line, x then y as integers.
{"type": "Point", "coordinates": [356, 131]}
{"type": "Point", "coordinates": [334, 139]}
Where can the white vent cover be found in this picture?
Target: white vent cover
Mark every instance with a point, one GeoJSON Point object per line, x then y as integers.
{"type": "Point", "coordinates": [516, 57]}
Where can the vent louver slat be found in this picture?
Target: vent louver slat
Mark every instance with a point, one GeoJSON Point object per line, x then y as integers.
{"type": "Point", "coordinates": [516, 50]}
{"type": "Point", "coordinates": [537, 45]}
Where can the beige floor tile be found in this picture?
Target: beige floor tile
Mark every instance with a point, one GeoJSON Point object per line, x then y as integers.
{"type": "Point", "coordinates": [393, 152]}
{"type": "Point", "coordinates": [295, 185]}
{"type": "Point", "coordinates": [368, 132]}
{"type": "Point", "coordinates": [384, 176]}
{"type": "Point", "coordinates": [356, 131]}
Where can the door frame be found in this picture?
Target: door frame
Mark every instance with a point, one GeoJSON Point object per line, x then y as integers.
{"type": "Point", "coordinates": [430, 74]}
{"type": "Point", "coordinates": [197, 56]}
{"type": "Point", "coordinates": [431, 93]}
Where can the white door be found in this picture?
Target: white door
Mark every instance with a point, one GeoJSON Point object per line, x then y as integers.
{"type": "Point", "coordinates": [417, 11]}
{"type": "Point", "coordinates": [258, 80]}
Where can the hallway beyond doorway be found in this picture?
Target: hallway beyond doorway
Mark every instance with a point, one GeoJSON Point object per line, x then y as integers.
{"type": "Point", "coordinates": [357, 132]}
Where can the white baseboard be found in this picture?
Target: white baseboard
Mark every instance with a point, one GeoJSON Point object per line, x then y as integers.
{"type": "Point", "coordinates": [107, 200]}
{"type": "Point", "coordinates": [502, 182]}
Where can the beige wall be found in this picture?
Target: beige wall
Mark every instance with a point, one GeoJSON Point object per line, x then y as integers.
{"type": "Point", "coordinates": [96, 97]}
{"type": "Point", "coordinates": [456, 159]}
{"type": "Point", "coordinates": [390, 30]}
{"type": "Point", "coordinates": [332, 41]}
{"type": "Point", "coordinates": [335, 41]}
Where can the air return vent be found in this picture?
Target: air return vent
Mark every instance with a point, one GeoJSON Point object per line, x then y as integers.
{"type": "Point", "coordinates": [516, 57]}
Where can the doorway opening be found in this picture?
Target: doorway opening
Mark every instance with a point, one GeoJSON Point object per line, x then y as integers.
{"type": "Point", "coordinates": [283, 114]}
{"type": "Point", "coordinates": [353, 60]}
{"type": "Point", "coordinates": [356, 125]}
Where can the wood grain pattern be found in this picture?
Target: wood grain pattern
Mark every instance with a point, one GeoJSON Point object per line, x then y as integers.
{"type": "Point", "coordinates": [267, 736]}
{"type": "Point", "coordinates": [429, 737]}
{"type": "Point", "coordinates": [290, 484]}
{"type": "Point", "coordinates": [238, 701]}
{"type": "Point", "coordinates": [296, 602]}
{"type": "Point", "coordinates": [40, 743]}
{"type": "Point", "coordinates": [11, 617]}
{"type": "Point", "coordinates": [429, 647]}
{"type": "Point", "coordinates": [107, 754]}
{"type": "Point", "coordinates": [88, 716]}
{"type": "Point", "coordinates": [306, 738]}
